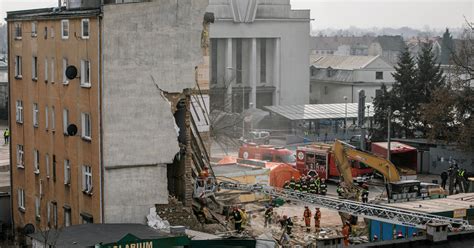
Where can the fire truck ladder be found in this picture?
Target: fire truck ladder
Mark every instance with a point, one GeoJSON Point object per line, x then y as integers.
{"type": "Point", "coordinates": [370, 211]}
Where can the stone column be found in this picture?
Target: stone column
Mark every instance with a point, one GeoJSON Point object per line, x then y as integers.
{"type": "Point", "coordinates": [228, 76]}
{"type": "Point", "coordinates": [253, 73]}
{"type": "Point", "coordinates": [276, 72]}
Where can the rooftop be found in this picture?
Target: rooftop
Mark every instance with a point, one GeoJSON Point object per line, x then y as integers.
{"type": "Point", "coordinates": [342, 62]}
{"type": "Point", "coordinates": [318, 111]}
{"type": "Point", "coordinates": [49, 13]}
{"type": "Point", "coordinates": [333, 42]}
{"type": "Point", "coordinates": [451, 203]}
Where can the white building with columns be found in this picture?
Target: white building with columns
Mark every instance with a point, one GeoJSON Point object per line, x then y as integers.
{"type": "Point", "coordinates": [259, 54]}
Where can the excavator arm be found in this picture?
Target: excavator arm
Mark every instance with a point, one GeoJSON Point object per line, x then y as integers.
{"type": "Point", "coordinates": [342, 153]}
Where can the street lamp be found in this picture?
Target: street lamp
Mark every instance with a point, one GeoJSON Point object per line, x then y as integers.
{"type": "Point", "coordinates": [243, 101]}
{"type": "Point", "coordinates": [345, 119]}
{"type": "Point", "coordinates": [396, 112]}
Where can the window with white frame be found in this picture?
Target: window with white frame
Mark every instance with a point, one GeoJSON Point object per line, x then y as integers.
{"type": "Point", "coordinates": [52, 32]}
{"type": "Point", "coordinates": [46, 163]}
{"type": "Point", "coordinates": [18, 67]}
{"type": "Point", "coordinates": [85, 28]}
{"type": "Point", "coordinates": [53, 119]}
{"type": "Point", "coordinates": [67, 216]}
{"type": "Point", "coordinates": [46, 120]}
{"type": "Point", "coordinates": [21, 199]}
{"type": "Point", "coordinates": [37, 207]}
{"type": "Point", "coordinates": [34, 31]}
{"type": "Point", "coordinates": [36, 157]}
{"type": "Point", "coordinates": [35, 114]}
{"type": "Point", "coordinates": [64, 29]}
{"type": "Point", "coordinates": [67, 171]}
{"type": "Point", "coordinates": [48, 219]}
{"type": "Point", "coordinates": [65, 121]}
{"type": "Point", "coordinates": [86, 179]}
{"type": "Point", "coordinates": [85, 73]}
{"type": "Point", "coordinates": [41, 188]}
{"type": "Point", "coordinates": [18, 32]}
{"type": "Point", "coordinates": [19, 111]}
{"type": "Point", "coordinates": [20, 152]}
{"type": "Point", "coordinates": [55, 214]}
{"type": "Point", "coordinates": [53, 65]}
{"type": "Point", "coordinates": [86, 126]}
{"type": "Point", "coordinates": [46, 69]}
{"type": "Point", "coordinates": [34, 68]}
{"type": "Point", "coordinates": [65, 80]}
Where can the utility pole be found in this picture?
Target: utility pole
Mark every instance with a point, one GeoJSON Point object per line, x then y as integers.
{"type": "Point", "coordinates": [361, 118]}
{"type": "Point", "coordinates": [345, 119]}
{"type": "Point", "coordinates": [388, 131]}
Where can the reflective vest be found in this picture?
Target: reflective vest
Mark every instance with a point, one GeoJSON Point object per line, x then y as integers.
{"type": "Point", "coordinates": [461, 172]}
{"type": "Point", "coordinates": [268, 213]}
{"type": "Point", "coordinates": [6, 133]}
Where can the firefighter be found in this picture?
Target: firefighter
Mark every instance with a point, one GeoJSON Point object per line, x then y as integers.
{"type": "Point", "coordinates": [286, 185]}
{"type": "Point", "coordinates": [323, 187]}
{"type": "Point", "coordinates": [298, 185]}
{"type": "Point", "coordinates": [461, 180]}
{"type": "Point", "coordinates": [318, 183]}
{"type": "Point", "coordinates": [237, 217]}
{"type": "Point", "coordinates": [312, 187]}
{"type": "Point", "coordinates": [365, 195]}
{"type": "Point", "coordinates": [292, 183]}
{"type": "Point", "coordinates": [317, 219]}
{"type": "Point", "coordinates": [444, 179]}
{"type": "Point", "coordinates": [286, 224]}
{"type": "Point", "coordinates": [307, 218]}
{"type": "Point", "coordinates": [268, 216]}
{"type": "Point", "coordinates": [304, 186]}
{"type": "Point", "coordinates": [339, 190]}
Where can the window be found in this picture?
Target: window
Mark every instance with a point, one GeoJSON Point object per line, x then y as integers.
{"type": "Point", "coordinates": [21, 199]}
{"type": "Point", "coordinates": [86, 126]}
{"type": "Point", "coordinates": [214, 61]}
{"type": "Point", "coordinates": [379, 75]}
{"type": "Point", "coordinates": [41, 188]}
{"type": "Point", "coordinates": [35, 114]}
{"type": "Point", "coordinates": [45, 33]}
{"type": "Point", "coordinates": [19, 111]}
{"type": "Point", "coordinates": [52, 32]}
{"type": "Point", "coordinates": [52, 69]}
{"type": "Point", "coordinates": [20, 156]}
{"type": "Point", "coordinates": [67, 216]}
{"type": "Point", "coordinates": [263, 60]}
{"type": "Point", "coordinates": [65, 29]}
{"type": "Point", "coordinates": [48, 220]}
{"type": "Point", "coordinates": [326, 91]}
{"type": "Point", "coordinates": [46, 162]}
{"type": "Point", "coordinates": [34, 31]}
{"type": "Point", "coordinates": [55, 214]}
{"type": "Point", "coordinates": [67, 172]}
{"type": "Point", "coordinates": [86, 179]}
{"type": "Point", "coordinates": [65, 121]}
{"type": "Point", "coordinates": [65, 81]}
{"type": "Point", "coordinates": [85, 28]}
{"type": "Point", "coordinates": [46, 120]}
{"type": "Point", "coordinates": [46, 70]}
{"type": "Point", "coordinates": [85, 73]}
{"type": "Point", "coordinates": [18, 32]}
{"type": "Point", "coordinates": [36, 161]}
{"type": "Point", "coordinates": [87, 218]}
{"type": "Point", "coordinates": [34, 68]}
{"type": "Point", "coordinates": [37, 208]}
{"type": "Point", "coordinates": [238, 73]}
{"type": "Point", "coordinates": [54, 167]}
{"type": "Point", "coordinates": [18, 67]}
{"type": "Point", "coordinates": [53, 119]}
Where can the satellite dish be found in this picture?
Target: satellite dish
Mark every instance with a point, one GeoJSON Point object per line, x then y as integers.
{"type": "Point", "coordinates": [72, 129]}
{"type": "Point", "coordinates": [71, 72]}
{"type": "Point", "coordinates": [28, 229]}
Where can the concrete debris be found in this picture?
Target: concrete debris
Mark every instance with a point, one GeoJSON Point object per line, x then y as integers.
{"type": "Point", "coordinates": [154, 221]}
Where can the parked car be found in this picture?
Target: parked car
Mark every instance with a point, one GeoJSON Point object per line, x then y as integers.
{"type": "Point", "coordinates": [259, 137]}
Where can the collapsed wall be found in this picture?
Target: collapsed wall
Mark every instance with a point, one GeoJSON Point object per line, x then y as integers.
{"type": "Point", "coordinates": [149, 49]}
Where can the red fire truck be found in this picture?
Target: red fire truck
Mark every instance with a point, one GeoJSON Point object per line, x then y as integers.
{"type": "Point", "coordinates": [267, 153]}
{"type": "Point", "coordinates": [318, 158]}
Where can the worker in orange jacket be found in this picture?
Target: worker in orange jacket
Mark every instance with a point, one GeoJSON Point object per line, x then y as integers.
{"type": "Point", "coordinates": [317, 219]}
{"type": "Point", "coordinates": [345, 232]}
{"type": "Point", "coordinates": [307, 218]}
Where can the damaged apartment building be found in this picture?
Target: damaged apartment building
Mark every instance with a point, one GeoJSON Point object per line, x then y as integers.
{"type": "Point", "coordinates": [100, 92]}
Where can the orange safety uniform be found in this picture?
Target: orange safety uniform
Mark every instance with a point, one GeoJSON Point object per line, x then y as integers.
{"type": "Point", "coordinates": [307, 217]}
{"type": "Point", "coordinates": [317, 219]}
{"type": "Point", "coordinates": [345, 233]}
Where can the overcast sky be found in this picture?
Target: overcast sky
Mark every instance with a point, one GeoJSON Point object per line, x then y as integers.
{"type": "Point", "coordinates": [345, 13]}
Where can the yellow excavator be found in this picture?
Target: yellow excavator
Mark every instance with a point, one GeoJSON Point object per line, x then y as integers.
{"type": "Point", "coordinates": [396, 189]}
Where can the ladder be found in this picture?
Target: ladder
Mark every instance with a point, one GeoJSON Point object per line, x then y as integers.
{"type": "Point", "coordinates": [370, 211]}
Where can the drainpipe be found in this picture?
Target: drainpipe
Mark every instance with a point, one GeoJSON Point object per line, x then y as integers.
{"type": "Point", "coordinates": [9, 128]}
{"type": "Point", "coordinates": [99, 107]}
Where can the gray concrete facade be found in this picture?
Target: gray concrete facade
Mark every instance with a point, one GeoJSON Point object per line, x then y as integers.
{"type": "Point", "coordinates": [269, 47]}
{"type": "Point", "coordinates": [148, 48]}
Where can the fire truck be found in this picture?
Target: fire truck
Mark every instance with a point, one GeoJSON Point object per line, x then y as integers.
{"type": "Point", "coordinates": [318, 159]}
{"type": "Point", "coordinates": [267, 153]}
